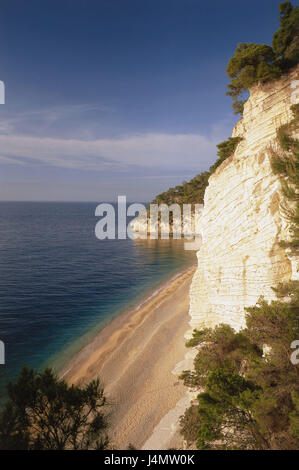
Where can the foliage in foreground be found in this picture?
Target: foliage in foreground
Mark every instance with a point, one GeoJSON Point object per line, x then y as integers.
{"type": "Point", "coordinates": [260, 63]}
{"type": "Point", "coordinates": [250, 399]}
{"type": "Point", "coordinates": [44, 413]}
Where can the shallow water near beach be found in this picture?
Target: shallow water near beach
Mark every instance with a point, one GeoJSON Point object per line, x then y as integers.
{"type": "Point", "coordinates": [60, 285]}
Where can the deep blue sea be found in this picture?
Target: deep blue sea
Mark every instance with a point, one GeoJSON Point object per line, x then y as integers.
{"type": "Point", "coordinates": [59, 284]}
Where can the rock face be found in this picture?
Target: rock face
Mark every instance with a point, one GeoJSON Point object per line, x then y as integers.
{"type": "Point", "coordinates": [240, 258]}
{"type": "Point", "coordinates": [183, 224]}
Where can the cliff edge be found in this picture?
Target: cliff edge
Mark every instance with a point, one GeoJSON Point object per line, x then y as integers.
{"type": "Point", "coordinates": [242, 223]}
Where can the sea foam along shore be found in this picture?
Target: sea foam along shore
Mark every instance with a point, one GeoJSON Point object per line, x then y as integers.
{"type": "Point", "coordinates": [134, 356]}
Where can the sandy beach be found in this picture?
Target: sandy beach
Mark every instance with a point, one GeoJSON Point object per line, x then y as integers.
{"type": "Point", "coordinates": [134, 356]}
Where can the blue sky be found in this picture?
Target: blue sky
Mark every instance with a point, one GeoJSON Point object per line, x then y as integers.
{"type": "Point", "coordinates": [108, 97]}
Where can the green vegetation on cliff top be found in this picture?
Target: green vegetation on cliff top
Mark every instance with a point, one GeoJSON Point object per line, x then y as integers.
{"type": "Point", "coordinates": [250, 64]}
{"type": "Point", "coordinates": [193, 192]}
{"type": "Point", "coordinates": [260, 63]}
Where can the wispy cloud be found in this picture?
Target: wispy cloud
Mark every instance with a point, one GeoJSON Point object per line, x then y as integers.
{"type": "Point", "coordinates": [45, 138]}
{"type": "Point", "coordinates": [36, 155]}
{"type": "Point", "coordinates": [158, 150]}
{"type": "Point", "coordinates": [49, 120]}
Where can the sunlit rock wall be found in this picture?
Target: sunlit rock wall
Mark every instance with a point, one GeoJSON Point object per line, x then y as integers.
{"type": "Point", "coordinates": [240, 258]}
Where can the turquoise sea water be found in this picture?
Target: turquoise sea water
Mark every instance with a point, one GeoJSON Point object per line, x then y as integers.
{"type": "Point", "coordinates": [59, 284]}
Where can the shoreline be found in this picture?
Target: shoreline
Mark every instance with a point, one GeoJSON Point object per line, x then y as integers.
{"type": "Point", "coordinates": [134, 356]}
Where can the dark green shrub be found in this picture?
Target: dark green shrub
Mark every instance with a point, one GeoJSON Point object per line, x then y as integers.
{"type": "Point", "coordinates": [188, 192]}
{"type": "Point", "coordinates": [225, 150]}
{"type": "Point", "coordinates": [260, 63]}
{"type": "Point", "coordinates": [286, 165]}
{"type": "Point", "coordinates": [45, 413]}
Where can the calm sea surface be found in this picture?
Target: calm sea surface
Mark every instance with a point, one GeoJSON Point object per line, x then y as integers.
{"type": "Point", "coordinates": [59, 284]}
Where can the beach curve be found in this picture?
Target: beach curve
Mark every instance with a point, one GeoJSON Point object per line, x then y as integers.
{"type": "Point", "coordinates": [134, 356]}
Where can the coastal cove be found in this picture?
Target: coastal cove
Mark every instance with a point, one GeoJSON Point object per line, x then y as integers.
{"type": "Point", "coordinates": [61, 285]}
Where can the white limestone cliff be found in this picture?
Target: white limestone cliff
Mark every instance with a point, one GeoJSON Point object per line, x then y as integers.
{"type": "Point", "coordinates": [185, 225]}
{"type": "Point", "coordinates": [240, 258]}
